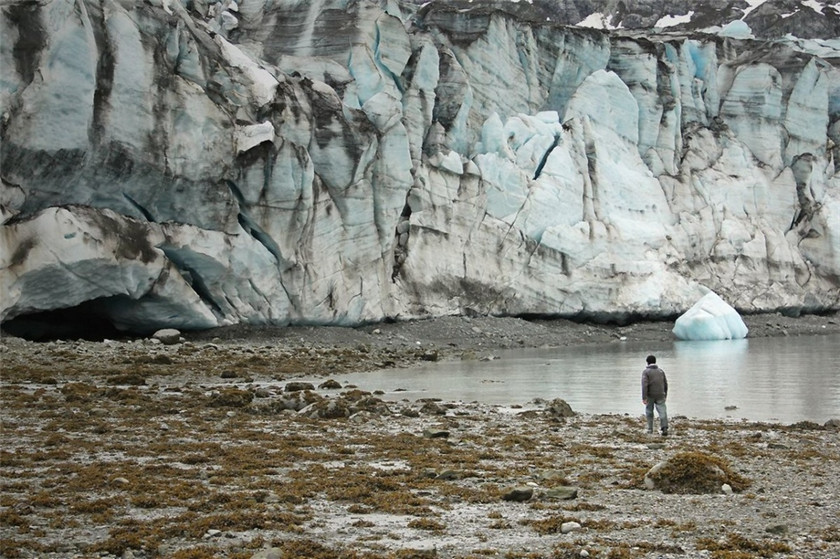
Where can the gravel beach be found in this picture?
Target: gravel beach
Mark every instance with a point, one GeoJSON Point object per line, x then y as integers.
{"type": "Point", "coordinates": [210, 447]}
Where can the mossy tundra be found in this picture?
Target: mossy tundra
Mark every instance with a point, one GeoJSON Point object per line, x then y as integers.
{"type": "Point", "coordinates": [111, 450]}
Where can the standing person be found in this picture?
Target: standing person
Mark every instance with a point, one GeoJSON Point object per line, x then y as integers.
{"type": "Point", "coordinates": [654, 392]}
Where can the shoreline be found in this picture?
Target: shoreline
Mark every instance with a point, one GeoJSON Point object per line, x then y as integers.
{"type": "Point", "coordinates": [451, 334]}
{"type": "Point", "coordinates": [320, 351]}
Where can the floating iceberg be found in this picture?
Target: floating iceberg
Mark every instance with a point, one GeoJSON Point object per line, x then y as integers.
{"type": "Point", "coordinates": [710, 319]}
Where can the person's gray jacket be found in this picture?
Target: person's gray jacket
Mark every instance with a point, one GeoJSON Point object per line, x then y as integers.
{"type": "Point", "coordinates": [654, 383]}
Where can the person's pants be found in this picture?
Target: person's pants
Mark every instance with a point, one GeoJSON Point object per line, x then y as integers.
{"type": "Point", "coordinates": [661, 411]}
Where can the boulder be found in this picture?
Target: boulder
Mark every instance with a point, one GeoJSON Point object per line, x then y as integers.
{"type": "Point", "coordinates": [559, 408]}
{"type": "Point", "coordinates": [167, 336]}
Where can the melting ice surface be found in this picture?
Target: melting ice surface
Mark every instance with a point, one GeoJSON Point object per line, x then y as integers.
{"type": "Point", "coordinates": [764, 379]}
{"type": "Point", "coordinates": [710, 319]}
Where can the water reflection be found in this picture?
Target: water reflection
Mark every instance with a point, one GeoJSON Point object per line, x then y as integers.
{"type": "Point", "coordinates": [768, 379]}
{"type": "Point", "coordinates": [711, 373]}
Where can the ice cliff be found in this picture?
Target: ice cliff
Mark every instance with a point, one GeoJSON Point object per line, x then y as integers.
{"type": "Point", "coordinates": [195, 163]}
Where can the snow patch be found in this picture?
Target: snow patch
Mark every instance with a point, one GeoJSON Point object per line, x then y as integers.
{"type": "Point", "coordinates": [597, 21]}
{"type": "Point", "coordinates": [753, 4]}
{"type": "Point", "coordinates": [671, 21]}
{"type": "Point", "coordinates": [814, 5]}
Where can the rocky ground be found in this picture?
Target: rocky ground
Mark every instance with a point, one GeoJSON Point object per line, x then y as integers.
{"type": "Point", "coordinates": [210, 448]}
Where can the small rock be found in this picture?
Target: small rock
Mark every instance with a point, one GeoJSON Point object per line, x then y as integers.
{"type": "Point", "coordinates": [127, 379]}
{"type": "Point", "coordinates": [436, 433]}
{"type": "Point", "coordinates": [726, 488]}
{"type": "Point", "coordinates": [160, 359]}
{"type": "Point", "coordinates": [270, 553]}
{"type": "Point", "coordinates": [549, 477]}
{"type": "Point", "coordinates": [561, 493]}
{"type": "Point", "coordinates": [327, 409]}
{"type": "Point", "coordinates": [330, 384]}
{"type": "Point", "coordinates": [298, 386]}
{"type": "Point", "coordinates": [778, 529]}
{"type": "Point", "coordinates": [567, 527]}
{"type": "Point", "coordinates": [431, 408]}
{"type": "Point", "coordinates": [120, 481]}
{"type": "Point", "coordinates": [167, 336]}
{"type": "Point", "coordinates": [518, 494]}
{"type": "Point", "coordinates": [832, 424]}
{"type": "Point", "coordinates": [362, 417]}
{"type": "Point", "coordinates": [230, 397]}
{"type": "Point", "coordinates": [212, 533]}
{"type": "Point", "coordinates": [583, 553]}
{"type": "Point", "coordinates": [430, 356]}
{"type": "Point", "coordinates": [448, 475]}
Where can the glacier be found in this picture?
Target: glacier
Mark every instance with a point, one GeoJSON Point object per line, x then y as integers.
{"type": "Point", "coordinates": [195, 164]}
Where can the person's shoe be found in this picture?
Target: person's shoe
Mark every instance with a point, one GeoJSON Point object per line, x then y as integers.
{"type": "Point", "coordinates": [665, 433]}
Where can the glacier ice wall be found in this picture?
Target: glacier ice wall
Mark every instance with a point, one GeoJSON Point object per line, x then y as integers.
{"type": "Point", "coordinates": [340, 162]}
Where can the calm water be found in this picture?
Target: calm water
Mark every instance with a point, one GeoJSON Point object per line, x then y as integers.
{"type": "Point", "coordinates": [766, 379]}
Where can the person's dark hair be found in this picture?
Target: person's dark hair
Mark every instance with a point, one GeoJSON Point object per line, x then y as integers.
{"type": "Point", "coordinates": [651, 359]}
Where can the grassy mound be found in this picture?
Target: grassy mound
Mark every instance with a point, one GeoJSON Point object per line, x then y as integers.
{"type": "Point", "coordinates": [696, 473]}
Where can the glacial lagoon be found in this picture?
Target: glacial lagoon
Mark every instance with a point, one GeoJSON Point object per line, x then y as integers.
{"type": "Point", "coordinates": [780, 379]}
